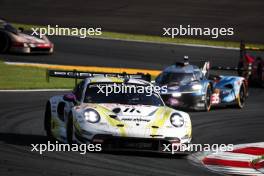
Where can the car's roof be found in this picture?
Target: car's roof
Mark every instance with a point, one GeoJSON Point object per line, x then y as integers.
{"type": "Point", "coordinates": [109, 79]}
{"type": "Point", "coordinates": [178, 68]}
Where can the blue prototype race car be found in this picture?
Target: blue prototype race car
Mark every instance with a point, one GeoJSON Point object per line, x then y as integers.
{"type": "Point", "coordinates": [191, 87]}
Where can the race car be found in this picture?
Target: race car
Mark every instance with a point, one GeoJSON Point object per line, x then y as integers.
{"type": "Point", "coordinates": [16, 41]}
{"type": "Point", "coordinates": [250, 67]}
{"type": "Point", "coordinates": [126, 121]}
{"type": "Point", "coordinates": [192, 87]}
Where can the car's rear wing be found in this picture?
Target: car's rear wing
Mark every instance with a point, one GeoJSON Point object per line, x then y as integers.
{"type": "Point", "coordinates": [205, 67]}
{"type": "Point", "coordinates": [228, 68]}
{"type": "Point", "coordinates": [82, 75]}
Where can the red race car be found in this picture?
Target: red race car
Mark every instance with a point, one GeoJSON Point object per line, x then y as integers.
{"type": "Point", "coordinates": [16, 41]}
{"type": "Point", "coordinates": [250, 65]}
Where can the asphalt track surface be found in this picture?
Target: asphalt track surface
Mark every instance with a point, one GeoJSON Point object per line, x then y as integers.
{"type": "Point", "coordinates": [126, 54]}
{"type": "Point", "coordinates": [144, 16]}
{"type": "Point", "coordinates": [111, 53]}
{"type": "Point", "coordinates": [21, 114]}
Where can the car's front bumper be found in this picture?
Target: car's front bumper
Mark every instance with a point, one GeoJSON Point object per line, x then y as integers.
{"type": "Point", "coordinates": [185, 100]}
{"type": "Point", "coordinates": [114, 143]}
{"type": "Point", "coordinates": [25, 50]}
{"type": "Point", "coordinates": [118, 143]}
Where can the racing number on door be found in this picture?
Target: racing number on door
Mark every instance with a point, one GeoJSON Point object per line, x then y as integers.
{"type": "Point", "coordinates": [215, 98]}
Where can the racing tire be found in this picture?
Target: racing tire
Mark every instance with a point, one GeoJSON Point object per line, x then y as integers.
{"type": "Point", "coordinates": [5, 43]}
{"type": "Point", "coordinates": [48, 123]}
{"type": "Point", "coordinates": [240, 100]}
{"type": "Point", "coordinates": [69, 129]}
{"type": "Point", "coordinates": [207, 101]}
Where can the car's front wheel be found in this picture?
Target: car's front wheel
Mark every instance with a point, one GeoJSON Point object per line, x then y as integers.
{"type": "Point", "coordinates": [241, 98]}
{"type": "Point", "coordinates": [47, 122]}
{"type": "Point", "coordinates": [70, 129]}
{"type": "Point", "coordinates": [4, 43]}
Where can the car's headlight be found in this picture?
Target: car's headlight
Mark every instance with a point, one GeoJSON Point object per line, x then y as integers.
{"type": "Point", "coordinates": [176, 94]}
{"type": "Point", "coordinates": [91, 116]}
{"type": "Point", "coordinates": [196, 87]}
{"type": "Point", "coordinates": [177, 120]}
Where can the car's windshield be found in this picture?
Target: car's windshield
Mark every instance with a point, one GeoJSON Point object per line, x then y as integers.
{"type": "Point", "coordinates": [131, 94]}
{"type": "Point", "coordinates": [171, 77]}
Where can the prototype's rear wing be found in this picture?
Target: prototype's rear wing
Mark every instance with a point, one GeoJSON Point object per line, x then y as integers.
{"type": "Point", "coordinates": [228, 68]}
{"type": "Point", "coordinates": [82, 75]}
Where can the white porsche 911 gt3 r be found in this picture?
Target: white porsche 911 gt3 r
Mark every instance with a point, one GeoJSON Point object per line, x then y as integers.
{"type": "Point", "coordinates": [117, 121]}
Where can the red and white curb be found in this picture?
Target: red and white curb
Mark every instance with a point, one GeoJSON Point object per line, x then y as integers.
{"type": "Point", "coordinates": [244, 159]}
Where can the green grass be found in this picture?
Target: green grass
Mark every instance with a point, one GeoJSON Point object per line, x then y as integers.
{"type": "Point", "coordinates": [150, 38]}
{"type": "Point", "coordinates": [24, 77]}
{"type": "Point", "coordinates": [17, 77]}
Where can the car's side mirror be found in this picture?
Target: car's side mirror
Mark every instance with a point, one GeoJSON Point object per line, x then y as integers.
{"type": "Point", "coordinates": [21, 29]}
{"type": "Point", "coordinates": [69, 97]}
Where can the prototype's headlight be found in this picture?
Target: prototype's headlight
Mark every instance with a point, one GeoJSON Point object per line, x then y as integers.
{"type": "Point", "coordinates": [176, 94]}
{"type": "Point", "coordinates": [196, 87]}
{"type": "Point", "coordinates": [91, 116]}
{"type": "Point", "coordinates": [177, 120]}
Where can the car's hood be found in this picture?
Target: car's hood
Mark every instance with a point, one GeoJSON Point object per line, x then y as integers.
{"type": "Point", "coordinates": [131, 114]}
{"type": "Point", "coordinates": [124, 110]}
{"type": "Point", "coordinates": [131, 110]}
